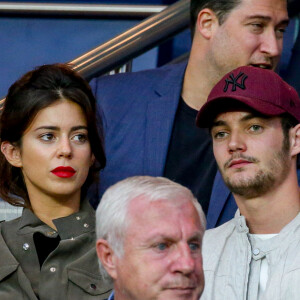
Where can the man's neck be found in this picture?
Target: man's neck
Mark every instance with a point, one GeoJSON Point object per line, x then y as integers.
{"type": "Point", "coordinates": [197, 83]}
{"type": "Point", "coordinates": [270, 213]}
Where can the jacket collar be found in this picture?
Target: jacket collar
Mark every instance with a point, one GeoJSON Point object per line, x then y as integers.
{"type": "Point", "coordinates": [67, 227]}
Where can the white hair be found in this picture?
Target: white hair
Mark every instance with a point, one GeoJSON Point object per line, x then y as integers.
{"type": "Point", "coordinates": [111, 213]}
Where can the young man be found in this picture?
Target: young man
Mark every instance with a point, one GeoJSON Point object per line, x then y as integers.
{"type": "Point", "coordinates": [147, 255]}
{"type": "Point", "coordinates": [150, 116]}
{"type": "Point", "coordinates": [254, 116]}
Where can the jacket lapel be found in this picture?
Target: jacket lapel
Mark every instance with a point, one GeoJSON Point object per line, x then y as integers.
{"type": "Point", "coordinates": [218, 198]}
{"type": "Point", "coordinates": [160, 116]}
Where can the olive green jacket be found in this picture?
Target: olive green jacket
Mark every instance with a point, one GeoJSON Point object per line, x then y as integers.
{"type": "Point", "coordinates": [71, 271]}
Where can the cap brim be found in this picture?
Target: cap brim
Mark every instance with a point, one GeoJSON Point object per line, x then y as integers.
{"type": "Point", "coordinates": [211, 109]}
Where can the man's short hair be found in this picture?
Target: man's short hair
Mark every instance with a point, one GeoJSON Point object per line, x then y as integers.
{"type": "Point", "coordinates": [220, 7]}
{"type": "Point", "coordinates": [111, 214]}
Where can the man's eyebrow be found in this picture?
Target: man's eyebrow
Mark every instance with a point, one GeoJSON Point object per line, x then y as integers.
{"type": "Point", "coordinates": [56, 128]}
{"type": "Point", "coordinates": [218, 123]}
{"type": "Point", "coordinates": [254, 116]}
{"type": "Point", "coordinates": [197, 236]}
{"type": "Point", "coordinates": [248, 117]}
{"type": "Point", "coordinates": [268, 19]}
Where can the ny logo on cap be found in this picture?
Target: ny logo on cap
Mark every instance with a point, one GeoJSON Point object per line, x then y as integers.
{"type": "Point", "coordinates": [235, 83]}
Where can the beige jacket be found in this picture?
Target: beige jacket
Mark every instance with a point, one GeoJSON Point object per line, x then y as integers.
{"type": "Point", "coordinates": [232, 265]}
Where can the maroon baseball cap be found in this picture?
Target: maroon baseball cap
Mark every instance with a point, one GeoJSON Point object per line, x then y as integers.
{"type": "Point", "coordinates": [260, 89]}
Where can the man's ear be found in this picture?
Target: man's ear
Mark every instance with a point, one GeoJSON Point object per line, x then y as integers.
{"type": "Point", "coordinates": [295, 140]}
{"type": "Point", "coordinates": [107, 257]}
{"type": "Point", "coordinates": [12, 154]}
{"type": "Point", "coordinates": [206, 23]}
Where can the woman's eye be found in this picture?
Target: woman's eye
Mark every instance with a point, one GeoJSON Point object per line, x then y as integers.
{"type": "Point", "coordinates": [47, 137]}
{"type": "Point", "coordinates": [81, 138]}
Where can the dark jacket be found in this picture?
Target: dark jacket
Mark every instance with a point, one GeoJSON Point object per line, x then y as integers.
{"type": "Point", "coordinates": [139, 111]}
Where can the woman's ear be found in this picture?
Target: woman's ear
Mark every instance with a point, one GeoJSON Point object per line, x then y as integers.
{"type": "Point", "coordinates": [92, 160]}
{"type": "Point", "coordinates": [12, 154]}
{"type": "Point", "coordinates": [295, 140]}
{"type": "Point", "coordinates": [206, 22]}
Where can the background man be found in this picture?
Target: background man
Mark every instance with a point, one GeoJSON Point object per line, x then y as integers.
{"type": "Point", "coordinates": [150, 116]}
{"type": "Point", "coordinates": [149, 233]}
{"type": "Point", "coordinates": [254, 117]}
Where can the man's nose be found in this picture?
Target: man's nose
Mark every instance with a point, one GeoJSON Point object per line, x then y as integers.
{"type": "Point", "coordinates": [271, 44]}
{"type": "Point", "coordinates": [236, 143]}
{"type": "Point", "coordinates": [184, 262]}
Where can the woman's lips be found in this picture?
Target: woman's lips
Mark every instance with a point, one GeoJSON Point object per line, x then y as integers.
{"type": "Point", "coordinates": [63, 172]}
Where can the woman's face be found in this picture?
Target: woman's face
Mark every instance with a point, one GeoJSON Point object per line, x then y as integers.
{"type": "Point", "coordinates": [55, 154]}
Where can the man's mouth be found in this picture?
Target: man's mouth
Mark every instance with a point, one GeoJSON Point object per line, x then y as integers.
{"type": "Point", "coordinates": [183, 290]}
{"type": "Point", "coordinates": [238, 163]}
{"type": "Point", "coordinates": [263, 66]}
{"type": "Point", "coordinates": [63, 172]}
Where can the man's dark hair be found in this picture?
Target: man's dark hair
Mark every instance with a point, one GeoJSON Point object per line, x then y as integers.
{"type": "Point", "coordinates": [220, 7]}
{"type": "Point", "coordinates": [287, 122]}
{"type": "Point", "coordinates": [33, 92]}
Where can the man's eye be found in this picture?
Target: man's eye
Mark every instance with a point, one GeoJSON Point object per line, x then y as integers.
{"type": "Point", "coordinates": [255, 128]}
{"type": "Point", "coordinates": [257, 27]}
{"type": "Point", "coordinates": [162, 246]}
{"type": "Point", "coordinates": [220, 135]}
{"type": "Point", "coordinates": [280, 33]}
{"type": "Point", "coordinates": [47, 137]}
{"type": "Point", "coordinates": [80, 138]}
{"type": "Point", "coordinates": [194, 246]}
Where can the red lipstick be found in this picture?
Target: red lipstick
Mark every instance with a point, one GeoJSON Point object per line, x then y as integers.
{"type": "Point", "coordinates": [63, 172]}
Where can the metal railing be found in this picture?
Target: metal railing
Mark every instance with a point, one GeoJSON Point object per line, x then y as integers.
{"type": "Point", "coordinates": [133, 42]}
{"type": "Point", "coordinates": [80, 10]}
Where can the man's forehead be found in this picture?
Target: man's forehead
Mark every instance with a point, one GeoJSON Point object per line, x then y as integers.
{"type": "Point", "coordinates": [142, 204]}
{"type": "Point", "coordinates": [241, 115]}
{"type": "Point", "coordinates": [264, 8]}
{"type": "Point", "coordinates": [162, 219]}
{"type": "Point", "coordinates": [274, 4]}
{"type": "Point", "coordinates": [144, 212]}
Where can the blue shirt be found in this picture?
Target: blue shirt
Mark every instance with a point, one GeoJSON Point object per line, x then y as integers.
{"type": "Point", "coordinates": [111, 296]}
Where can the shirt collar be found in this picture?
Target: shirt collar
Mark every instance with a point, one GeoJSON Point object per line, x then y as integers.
{"type": "Point", "coordinates": [111, 296]}
{"type": "Point", "coordinates": [67, 227]}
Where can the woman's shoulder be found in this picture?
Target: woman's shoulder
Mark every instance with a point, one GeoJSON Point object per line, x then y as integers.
{"type": "Point", "coordinates": [8, 229]}
{"type": "Point", "coordinates": [6, 256]}
{"type": "Point", "coordinates": [6, 225]}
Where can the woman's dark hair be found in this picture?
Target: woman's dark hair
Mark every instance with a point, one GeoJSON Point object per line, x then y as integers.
{"type": "Point", "coordinates": [26, 97]}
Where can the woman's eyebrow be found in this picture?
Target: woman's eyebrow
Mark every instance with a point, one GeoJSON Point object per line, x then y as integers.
{"type": "Point", "coordinates": [56, 128]}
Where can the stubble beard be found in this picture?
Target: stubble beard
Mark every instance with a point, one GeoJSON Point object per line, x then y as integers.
{"type": "Point", "coordinates": [265, 179]}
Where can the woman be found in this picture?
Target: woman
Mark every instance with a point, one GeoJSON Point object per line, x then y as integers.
{"type": "Point", "coordinates": [51, 153]}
